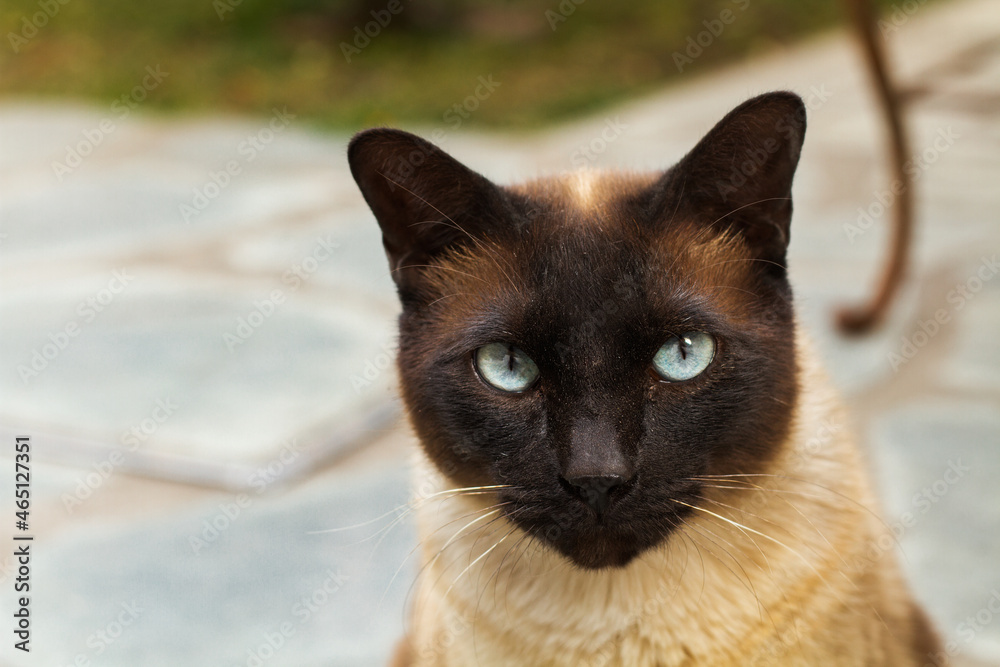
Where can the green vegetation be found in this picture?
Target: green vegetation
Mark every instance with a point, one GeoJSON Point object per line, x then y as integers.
{"type": "Point", "coordinates": [251, 55]}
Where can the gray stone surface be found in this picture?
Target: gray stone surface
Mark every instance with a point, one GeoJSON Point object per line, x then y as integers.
{"type": "Point", "coordinates": [234, 579]}
{"type": "Point", "coordinates": [937, 469]}
{"type": "Point", "coordinates": [293, 397]}
{"type": "Point", "coordinates": [256, 317]}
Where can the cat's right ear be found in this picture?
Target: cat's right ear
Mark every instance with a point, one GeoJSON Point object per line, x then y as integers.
{"type": "Point", "coordinates": [425, 201]}
{"type": "Point", "coordinates": [739, 176]}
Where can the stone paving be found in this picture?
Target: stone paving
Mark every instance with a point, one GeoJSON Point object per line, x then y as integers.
{"type": "Point", "coordinates": [196, 329]}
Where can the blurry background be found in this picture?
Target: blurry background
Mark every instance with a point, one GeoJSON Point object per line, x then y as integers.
{"type": "Point", "coordinates": [325, 61]}
{"type": "Point", "coordinates": [197, 325]}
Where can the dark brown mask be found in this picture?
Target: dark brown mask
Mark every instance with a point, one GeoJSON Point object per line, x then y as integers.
{"type": "Point", "coordinates": [595, 341]}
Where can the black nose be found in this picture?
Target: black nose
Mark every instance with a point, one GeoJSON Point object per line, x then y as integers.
{"type": "Point", "coordinates": [595, 489]}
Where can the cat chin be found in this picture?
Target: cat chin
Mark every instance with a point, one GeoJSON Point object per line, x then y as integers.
{"type": "Point", "coordinates": [590, 560]}
{"type": "Point", "coordinates": [598, 548]}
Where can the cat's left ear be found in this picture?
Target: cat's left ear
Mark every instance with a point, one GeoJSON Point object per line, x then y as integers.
{"type": "Point", "coordinates": [739, 176]}
{"type": "Point", "coordinates": [425, 201]}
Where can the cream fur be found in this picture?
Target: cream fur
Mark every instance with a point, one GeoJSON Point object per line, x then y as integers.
{"type": "Point", "coordinates": [583, 185]}
{"type": "Point", "coordinates": [820, 589]}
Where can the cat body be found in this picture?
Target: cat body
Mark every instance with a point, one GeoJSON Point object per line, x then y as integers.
{"type": "Point", "coordinates": [629, 454]}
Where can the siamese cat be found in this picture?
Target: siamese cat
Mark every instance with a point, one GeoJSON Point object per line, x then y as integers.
{"type": "Point", "coordinates": [630, 453]}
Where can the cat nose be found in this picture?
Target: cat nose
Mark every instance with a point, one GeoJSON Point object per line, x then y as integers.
{"type": "Point", "coordinates": [595, 489]}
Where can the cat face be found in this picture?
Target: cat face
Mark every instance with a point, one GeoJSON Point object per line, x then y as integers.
{"type": "Point", "coordinates": [595, 343]}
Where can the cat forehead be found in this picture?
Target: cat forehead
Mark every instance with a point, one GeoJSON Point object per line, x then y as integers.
{"type": "Point", "coordinates": [587, 191]}
{"type": "Point", "coordinates": [592, 222]}
{"type": "Point", "coordinates": [573, 256]}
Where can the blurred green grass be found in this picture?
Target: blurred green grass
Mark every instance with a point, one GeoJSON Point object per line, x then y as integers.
{"type": "Point", "coordinates": [249, 56]}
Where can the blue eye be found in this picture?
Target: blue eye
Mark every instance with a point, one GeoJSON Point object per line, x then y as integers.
{"type": "Point", "coordinates": [684, 357]}
{"type": "Point", "coordinates": [506, 367]}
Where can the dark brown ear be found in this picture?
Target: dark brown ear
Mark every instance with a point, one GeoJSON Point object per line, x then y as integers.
{"type": "Point", "coordinates": [739, 176]}
{"type": "Point", "coordinates": [424, 200]}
